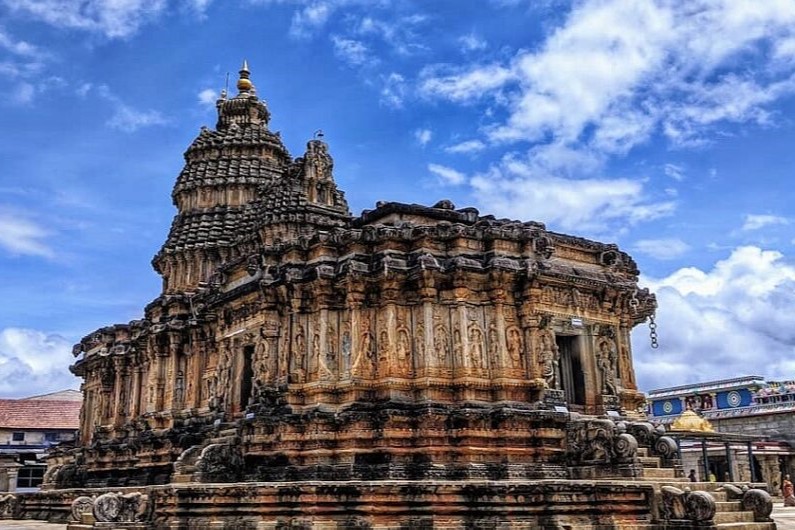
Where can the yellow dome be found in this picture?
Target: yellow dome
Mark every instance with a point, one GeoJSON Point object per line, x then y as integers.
{"type": "Point", "coordinates": [690, 421]}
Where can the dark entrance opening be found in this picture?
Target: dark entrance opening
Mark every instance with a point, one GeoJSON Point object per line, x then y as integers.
{"type": "Point", "coordinates": [572, 379]}
{"type": "Point", "coordinates": [247, 377]}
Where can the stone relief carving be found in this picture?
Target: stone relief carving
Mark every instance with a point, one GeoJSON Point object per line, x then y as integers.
{"type": "Point", "coordinates": [513, 338]}
{"type": "Point", "coordinates": [299, 355]}
{"type": "Point", "coordinates": [458, 348]}
{"type": "Point", "coordinates": [606, 361]}
{"type": "Point", "coordinates": [696, 506]}
{"type": "Point", "coordinates": [403, 350]}
{"type": "Point", "coordinates": [384, 352]}
{"type": "Point", "coordinates": [9, 506]}
{"type": "Point", "coordinates": [549, 357]}
{"type": "Point", "coordinates": [118, 507]}
{"type": "Point", "coordinates": [81, 505]}
{"type": "Point", "coordinates": [345, 349]}
{"type": "Point", "coordinates": [625, 367]}
{"type": "Point", "coordinates": [329, 359]}
{"type": "Point", "coordinates": [494, 346]}
{"type": "Point", "coordinates": [419, 343]}
{"type": "Point", "coordinates": [475, 346]}
{"type": "Point", "coordinates": [441, 345]}
{"type": "Point", "coordinates": [365, 356]}
{"type": "Point", "coordinates": [220, 463]}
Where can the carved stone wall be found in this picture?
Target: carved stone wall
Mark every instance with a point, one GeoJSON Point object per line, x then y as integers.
{"type": "Point", "coordinates": [405, 334]}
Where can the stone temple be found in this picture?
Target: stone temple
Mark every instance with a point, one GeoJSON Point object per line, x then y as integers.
{"type": "Point", "coordinates": [413, 366]}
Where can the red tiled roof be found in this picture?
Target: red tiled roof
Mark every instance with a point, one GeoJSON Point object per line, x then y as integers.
{"type": "Point", "coordinates": [39, 414]}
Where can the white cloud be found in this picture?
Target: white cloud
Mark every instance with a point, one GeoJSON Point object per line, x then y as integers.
{"type": "Point", "coordinates": [447, 175]}
{"type": "Point", "coordinates": [21, 236]}
{"type": "Point", "coordinates": [399, 33]}
{"type": "Point", "coordinates": [467, 146]}
{"type": "Point", "coordinates": [423, 136]}
{"type": "Point", "coordinates": [114, 19]}
{"type": "Point", "coordinates": [351, 51]}
{"type": "Point", "coordinates": [34, 362]}
{"type": "Point", "coordinates": [471, 42]}
{"type": "Point", "coordinates": [662, 249]}
{"type": "Point", "coordinates": [127, 118]}
{"type": "Point", "coordinates": [584, 205]}
{"type": "Point", "coordinates": [21, 48]}
{"type": "Point", "coordinates": [616, 71]}
{"type": "Point", "coordinates": [393, 90]}
{"type": "Point", "coordinates": [83, 90]}
{"type": "Point", "coordinates": [755, 222]}
{"type": "Point", "coordinates": [456, 84]}
{"type": "Point", "coordinates": [208, 97]}
{"type": "Point", "coordinates": [737, 318]}
{"type": "Point", "coordinates": [311, 17]}
{"type": "Point", "coordinates": [675, 172]}
{"type": "Point", "coordinates": [23, 93]}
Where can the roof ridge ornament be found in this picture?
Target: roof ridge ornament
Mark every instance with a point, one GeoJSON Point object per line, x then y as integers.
{"type": "Point", "coordinates": [244, 84]}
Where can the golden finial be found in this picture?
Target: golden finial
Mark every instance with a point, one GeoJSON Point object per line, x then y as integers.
{"type": "Point", "coordinates": [244, 84]}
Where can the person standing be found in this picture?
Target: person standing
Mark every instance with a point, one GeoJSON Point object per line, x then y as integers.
{"type": "Point", "coordinates": [787, 491]}
{"type": "Point", "coordinates": [692, 476]}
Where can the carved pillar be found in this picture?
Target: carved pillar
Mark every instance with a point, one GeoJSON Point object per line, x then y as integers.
{"type": "Point", "coordinates": [135, 392]}
{"type": "Point", "coordinates": [499, 361]}
{"type": "Point", "coordinates": [625, 367]}
{"type": "Point", "coordinates": [361, 338]}
{"type": "Point", "coordinates": [118, 391]}
{"type": "Point", "coordinates": [428, 293]}
{"type": "Point", "coordinates": [459, 320]}
{"type": "Point", "coordinates": [386, 348]}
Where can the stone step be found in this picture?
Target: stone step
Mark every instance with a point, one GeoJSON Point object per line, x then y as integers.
{"type": "Point", "coordinates": [728, 506]}
{"type": "Point", "coordinates": [643, 451]}
{"type": "Point", "coordinates": [229, 440]}
{"type": "Point", "coordinates": [665, 473]}
{"type": "Point", "coordinates": [734, 517]}
{"type": "Point", "coordinates": [182, 478]}
{"type": "Point", "coordinates": [649, 461]}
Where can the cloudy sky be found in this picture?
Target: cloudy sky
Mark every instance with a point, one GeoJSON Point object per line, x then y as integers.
{"type": "Point", "coordinates": [664, 126]}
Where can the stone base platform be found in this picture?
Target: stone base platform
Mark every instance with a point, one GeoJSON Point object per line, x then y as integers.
{"type": "Point", "coordinates": [410, 505]}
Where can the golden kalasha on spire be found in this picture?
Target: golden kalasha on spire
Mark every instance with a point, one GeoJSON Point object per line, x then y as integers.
{"type": "Point", "coordinates": [244, 84]}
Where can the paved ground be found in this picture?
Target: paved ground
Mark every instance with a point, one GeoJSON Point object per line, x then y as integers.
{"type": "Point", "coordinates": [784, 517]}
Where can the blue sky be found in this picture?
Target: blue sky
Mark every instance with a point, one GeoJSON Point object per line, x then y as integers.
{"type": "Point", "coordinates": [664, 126]}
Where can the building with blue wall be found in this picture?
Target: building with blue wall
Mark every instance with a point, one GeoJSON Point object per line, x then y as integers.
{"type": "Point", "coordinates": [747, 405]}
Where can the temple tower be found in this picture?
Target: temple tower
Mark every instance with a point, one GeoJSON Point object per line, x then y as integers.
{"type": "Point", "coordinates": [216, 190]}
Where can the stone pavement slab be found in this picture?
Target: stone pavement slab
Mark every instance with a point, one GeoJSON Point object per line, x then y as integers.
{"type": "Point", "coordinates": [784, 517]}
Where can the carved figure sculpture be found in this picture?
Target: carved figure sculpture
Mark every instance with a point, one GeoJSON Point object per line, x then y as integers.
{"type": "Point", "coordinates": [476, 346]}
{"type": "Point", "coordinates": [550, 358]}
{"type": "Point", "coordinates": [299, 354]}
{"type": "Point", "coordinates": [441, 344]}
{"type": "Point", "coordinates": [494, 345]}
{"type": "Point", "coordinates": [514, 339]}
{"type": "Point", "coordinates": [606, 361]}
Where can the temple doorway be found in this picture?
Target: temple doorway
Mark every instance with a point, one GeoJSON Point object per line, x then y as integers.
{"type": "Point", "coordinates": [572, 378]}
{"type": "Point", "coordinates": [247, 377]}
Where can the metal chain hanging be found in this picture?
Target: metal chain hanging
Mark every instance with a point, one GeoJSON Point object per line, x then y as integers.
{"type": "Point", "coordinates": [653, 332]}
{"type": "Point", "coordinates": [634, 303]}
